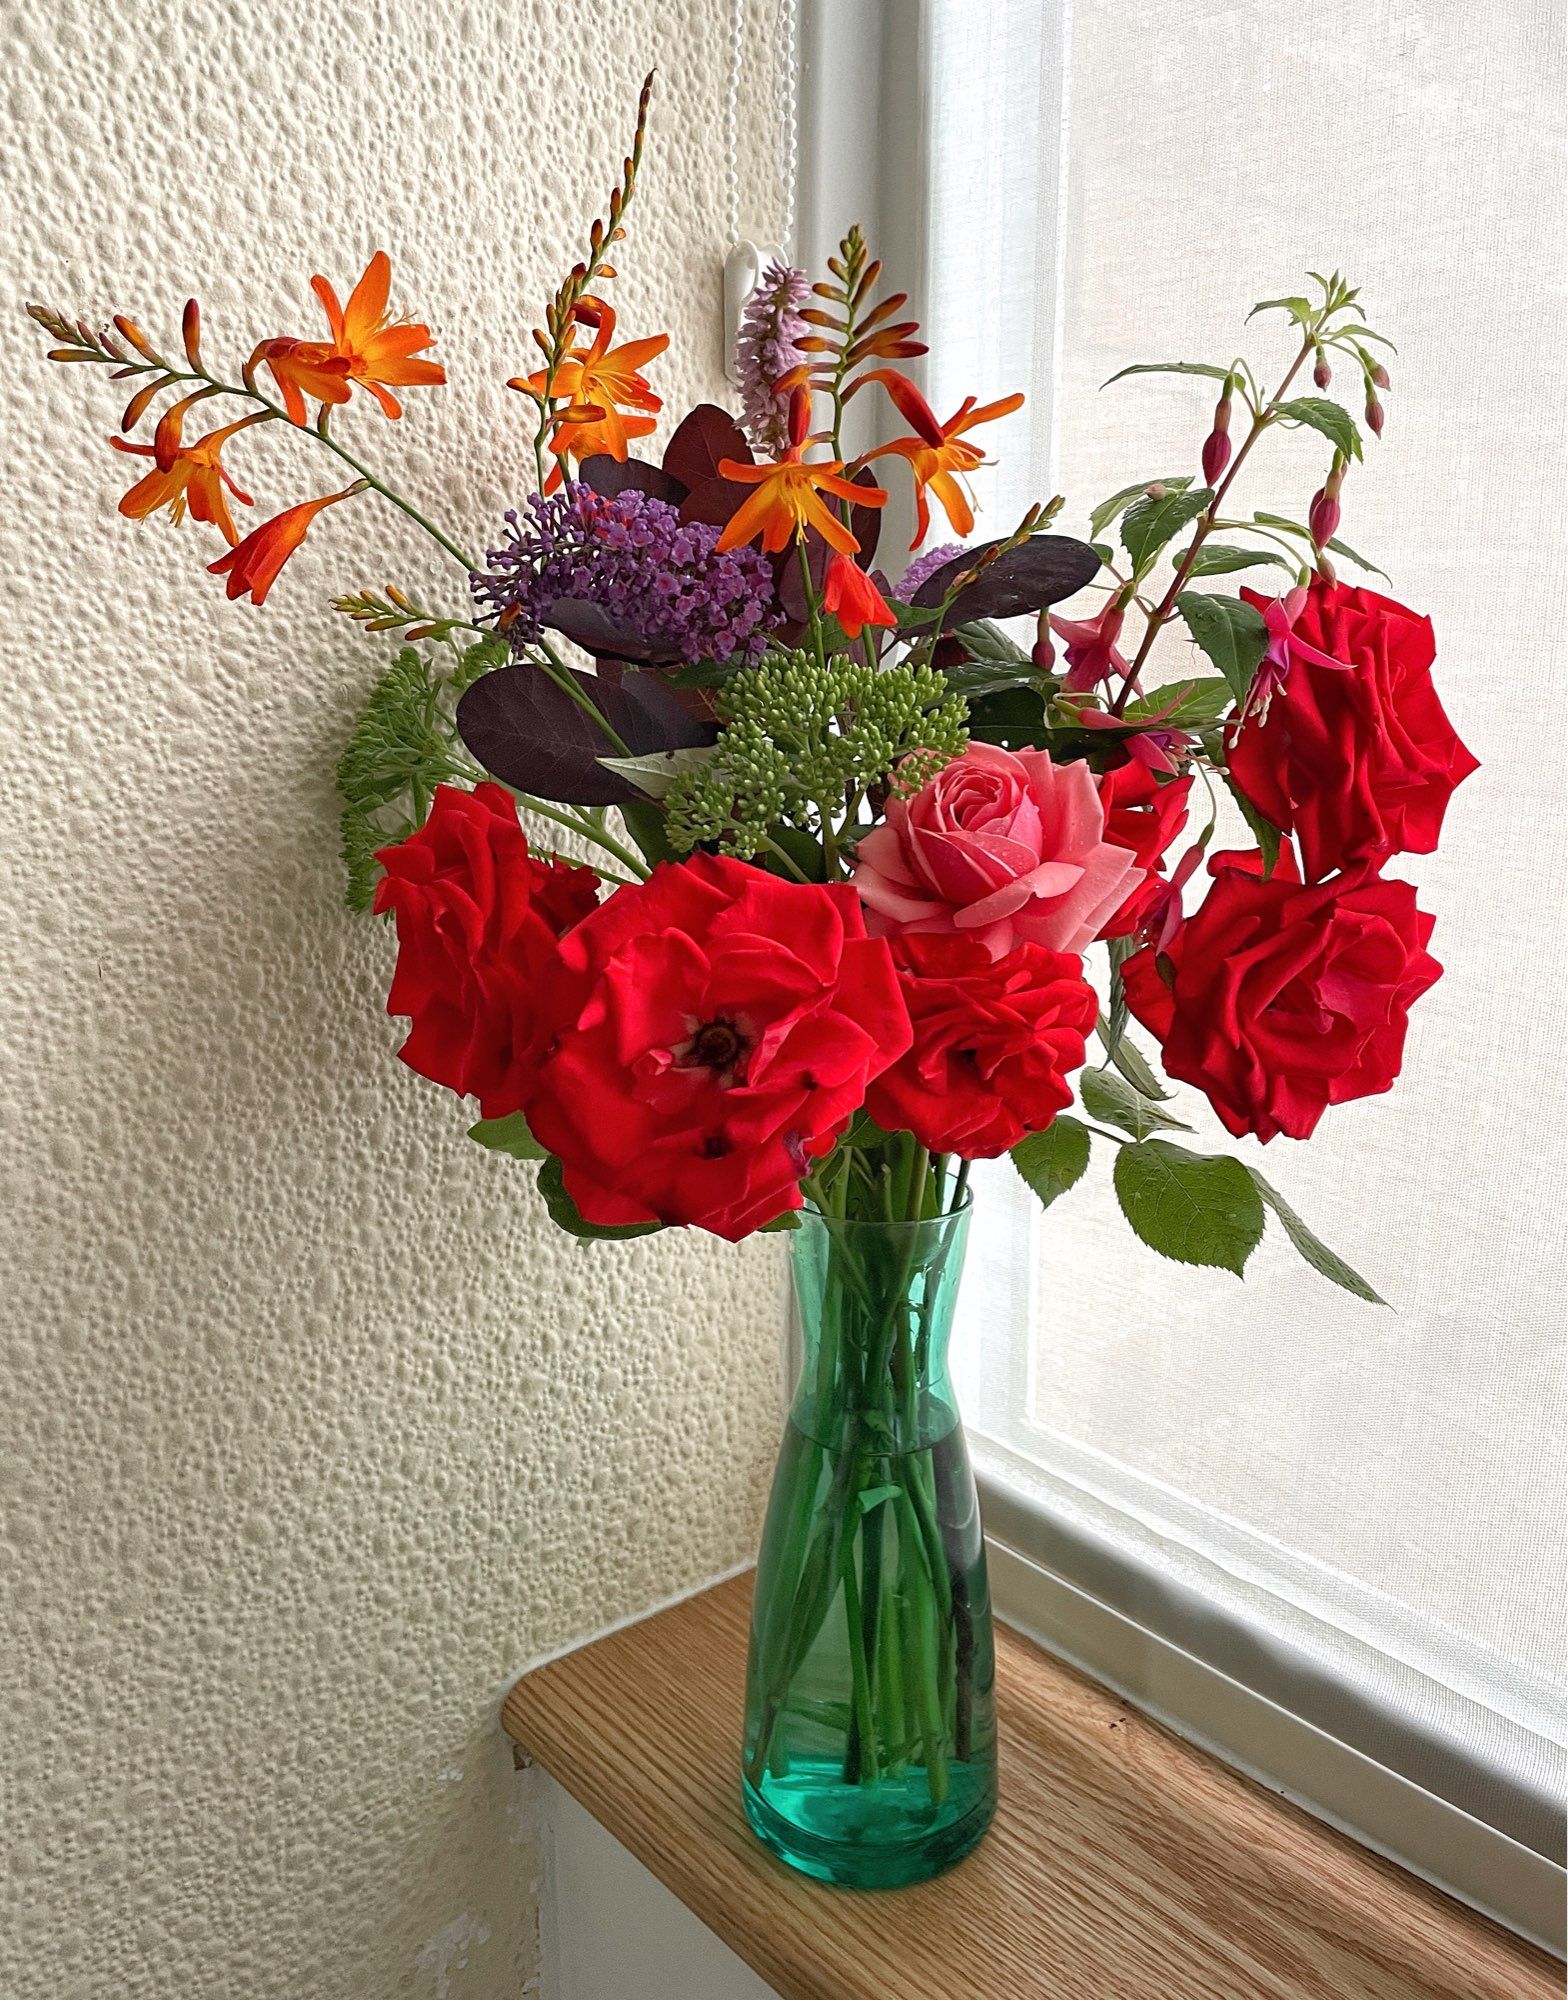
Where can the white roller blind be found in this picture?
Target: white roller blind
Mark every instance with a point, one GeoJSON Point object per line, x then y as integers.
{"type": "Point", "coordinates": [1120, 181]}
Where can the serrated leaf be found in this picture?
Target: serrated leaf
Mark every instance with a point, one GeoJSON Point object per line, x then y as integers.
{"type": "Point", "coordinates": [1218, 559]}
{"type": "Point", "coordinates": [1128, 1058]}
{"type": "Point", "coordinates": [1230, 631]}
{"type": "Point", "coordinates": [565, 1214]}
{"type": "Point", "coordinates": [1344, 549]}
{"type": "Point", "coordinates": [1214, 373]}
{"type": "Point", "coordinates": [1300, 310]}
{"type": "Point", "coordinates": [1108, 510]}
{"type": "Point", "coordinates": [1054, 1160]}
{"type": "Point", "coordinates": [1312, 1248]}
{"type": "Point", "coordinates": [1111, 1098]}
{"type": "Point", "coordinates": [1194, 1208]}
{"type": "Point", "coordinates": [1195, 704]}
{"type": "Point", "coordinates": [1331, 420]}
{"type": "Point", "coordinates": [1149, 524]}
{"type": "Point", "coordinates": [1263, 831]}
{"type": "Point", "coordinates": [508, 1135]}
{"type": "Point", "coordinates": [984, 641]}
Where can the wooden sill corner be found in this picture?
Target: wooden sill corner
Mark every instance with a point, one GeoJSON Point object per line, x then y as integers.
{"type": "Point", "coordinates": [1123, 1865]}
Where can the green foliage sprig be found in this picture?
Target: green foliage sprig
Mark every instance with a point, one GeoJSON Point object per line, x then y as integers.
{"type": "Point", "coordinates": [804, 741]}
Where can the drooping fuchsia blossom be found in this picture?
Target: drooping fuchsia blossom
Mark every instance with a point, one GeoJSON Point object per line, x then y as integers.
{"type": "Point", "coordinates": [1283, 648]}
{"type": "Point", "coordinates": [1091, 648]}
{"type": "Point", "coordinates": [1154, 747]}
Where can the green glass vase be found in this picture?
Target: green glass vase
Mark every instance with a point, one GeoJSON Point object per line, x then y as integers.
{"type": "Point", "coordinates": [870, 1751]}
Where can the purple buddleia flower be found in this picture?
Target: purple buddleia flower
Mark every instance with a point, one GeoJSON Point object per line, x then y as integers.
{"type": "Point", "coordinates": [634, 558]}
{"type": "Point", "coordinates": [923, 566]}
{"type": "Point", "coordinates": [768, 346]}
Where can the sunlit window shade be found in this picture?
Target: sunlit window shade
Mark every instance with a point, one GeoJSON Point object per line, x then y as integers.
{"type": "Point", "coordinates": [1383, 1488]}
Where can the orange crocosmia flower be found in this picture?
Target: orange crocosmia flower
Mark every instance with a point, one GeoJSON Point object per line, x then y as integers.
{"type": "Point", "coordinates": [938, 454]}
{"type": "Point", "coordinates": [253, 566]}
{"type": "Point", "coordinates": [382, 353]}
{"type": "Point", "coordinates": [304, 368]}
{"type": "Point", "coordinates": [185, 475]}
{"type": "Point", "coordinates": [600, 385]}
{"type": "Point", "coordinates": [788, 499]}
{"type": "Point", "coordinates": [852, 598]}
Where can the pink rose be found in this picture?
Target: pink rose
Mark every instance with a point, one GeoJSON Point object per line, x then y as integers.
{"type": "Point", "coordinates": [1003, 846]}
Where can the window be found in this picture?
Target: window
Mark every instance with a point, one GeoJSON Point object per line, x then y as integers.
{"type": "Point", "coordinates": [1353, 1516]}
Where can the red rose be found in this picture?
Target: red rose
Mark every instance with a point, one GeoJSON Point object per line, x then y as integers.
{"type": "Point", "coordinates": [994, 1042]}
{"type": "Point", "coordinates": [477, 923]}
{"type": "Point", "coordinates": [1359, 764]}
{"type": "Point", "coordinates": [714, 1029]}
{"type": "Point", "coordinates": [1143, 813]}
{"type": "Point", "coordinates": [1278, 999]}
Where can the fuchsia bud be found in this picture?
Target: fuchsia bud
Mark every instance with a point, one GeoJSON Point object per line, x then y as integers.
{"type": "Point", "coordinates": [1216, 446]}
{"type": "Point", "coordinates": [1380, 375]}
{"type": "Point", "coordinates": [1322, 374]}
{"type": "Point", "coordinates": [1323, 515]}
{"type": "Point", "coordinates": [1043, 652]}
{"type": "Point", "coordinates": [1375, 415]}
{"type": "Point", "coordinates": [1326, 570]}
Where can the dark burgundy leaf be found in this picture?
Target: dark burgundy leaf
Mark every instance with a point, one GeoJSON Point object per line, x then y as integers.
{"type": "Point", "coordinates": [606, 475]}
{"type": "Point", "coordinates": [529, 732]}
{"type": "Point", "coordinates": [701, 439]}
{"type": "Point", "coordinates": [593, 628]}
{"type": "Point", "coordinates": [1038, 572]}
{"type": "Point", "coordinates": [713, 501]}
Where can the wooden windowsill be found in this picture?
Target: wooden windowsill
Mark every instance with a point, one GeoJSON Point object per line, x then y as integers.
{"type": "Point", "coordinates": [1123, 1865]}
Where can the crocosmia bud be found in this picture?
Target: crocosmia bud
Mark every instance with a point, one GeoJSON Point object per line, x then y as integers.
{"type": "Point", "coordinates": [1322, 374]}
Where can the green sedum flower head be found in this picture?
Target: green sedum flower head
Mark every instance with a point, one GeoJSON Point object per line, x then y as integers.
{"type": "Point", "coordinates": [804, 741]}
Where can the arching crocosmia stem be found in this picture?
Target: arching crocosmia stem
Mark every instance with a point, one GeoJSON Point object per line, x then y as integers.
{"type": "Point", "coordinates": [1206, 520]}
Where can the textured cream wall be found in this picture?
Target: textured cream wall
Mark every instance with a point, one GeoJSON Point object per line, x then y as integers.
{"type": "Point", "coordinates": [311, 1430]}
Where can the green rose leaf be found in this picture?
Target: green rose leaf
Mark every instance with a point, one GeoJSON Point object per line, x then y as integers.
{"type": "Point", "coordinates": [1208, 368]}
{"type": "Point", "coordinates": [1330, 419]}
{"type": "Point", "coordinates": [1113, 1101]}
{"type": "Point", "coordinates": [1130, 1062]}
{"type": "Point", "coordinates": [508, 1135]}
{"type": "Point", "coordinates": [1054, 1160]}
{"type": "Point", "coordinates": [1313, 1249]}
{"type": "Point", "coordinates": [1263, 831]}
{"type": "Point", "coordinates": [1149, 524]}
{"type": "Point", "coordinates": [1108, 510]}
{"type": "Point", "coordinates": [564, 1212]}
{"type": "Point", "coordinates": [1217, 559]}
{"type": "Point", "coordinates": [1192, 1207]}
{"type": "Point", "coordinates": [1230, 631]}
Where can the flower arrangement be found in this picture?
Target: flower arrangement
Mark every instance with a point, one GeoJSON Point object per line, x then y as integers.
{"type": "Point", "coordinates": [833, 947]}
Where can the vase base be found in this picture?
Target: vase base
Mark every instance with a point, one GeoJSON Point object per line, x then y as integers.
{"type": "Point", "coordinates": [841, 1846]}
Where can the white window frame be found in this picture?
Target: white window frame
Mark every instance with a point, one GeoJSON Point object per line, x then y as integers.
{"type": "Point", "coordinates": [1215, 1677]}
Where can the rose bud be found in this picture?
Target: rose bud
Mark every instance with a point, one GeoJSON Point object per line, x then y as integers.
{"type": "Point", "coordinates": [1322, 374]}
{"type": "Point", "coordinates": [1375, 415]}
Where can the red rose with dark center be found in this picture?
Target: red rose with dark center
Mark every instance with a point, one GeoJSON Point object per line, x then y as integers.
{"type": "Point", "coordinates": [477, 922]}
{"type": "Point", "coordinates": [1278, 999]}
{"type": "Point", "coordinates": [994, 1041]}
{"type": "Point", "coordinates": [714, 1028]}
{"type": "Point", "coordinates": [1143, 813]}
{"type": "Point", "coordinates": [1359, 764]}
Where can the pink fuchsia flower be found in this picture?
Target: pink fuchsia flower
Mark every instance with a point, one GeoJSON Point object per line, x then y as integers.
{"type": "Point", "coordinates": [1156, 748]}
{"type": "Point", "coordinates": [1091, 648]}
{"type": "Point", "coordinates": [1003, 846]}
{"type": "Point", "coordinates": [767, 349]}
{"type": "Point", "coordinates": [1283, 649]}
